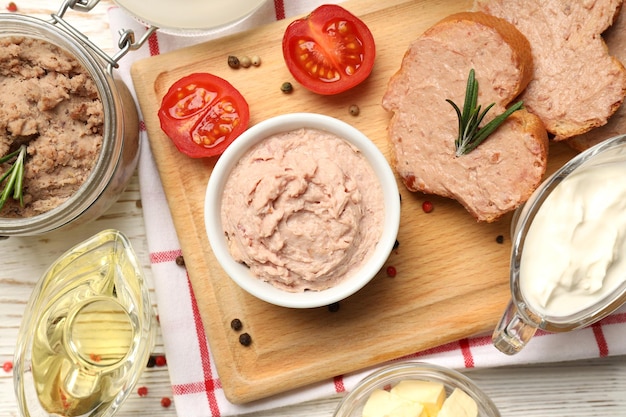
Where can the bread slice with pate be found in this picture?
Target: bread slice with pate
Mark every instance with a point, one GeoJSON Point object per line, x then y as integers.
{"type": "Point", "coordinates": [615, 38]}
{"type": "Point", "coordinates": [503, 171]}
{"type": "Point", "coordinates": [577, 85]}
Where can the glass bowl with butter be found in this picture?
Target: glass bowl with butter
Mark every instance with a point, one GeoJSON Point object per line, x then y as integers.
{"type": "Point", "coordinates": [416, 389]}
{"type": "Point", "coordinates": [302, 210]}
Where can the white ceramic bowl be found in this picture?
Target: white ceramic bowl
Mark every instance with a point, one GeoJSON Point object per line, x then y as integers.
{"type": "Point", "coordinates": [241, 273]}
{"type": "Point", "coordinates": [386, 377]}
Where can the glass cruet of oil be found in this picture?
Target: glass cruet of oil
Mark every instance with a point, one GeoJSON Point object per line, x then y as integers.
{"type": "Point", "coordinates": [87, 332]}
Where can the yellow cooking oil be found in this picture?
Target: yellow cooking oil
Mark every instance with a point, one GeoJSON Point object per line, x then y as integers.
{"type": "Point", "coordinates": [87, 333]}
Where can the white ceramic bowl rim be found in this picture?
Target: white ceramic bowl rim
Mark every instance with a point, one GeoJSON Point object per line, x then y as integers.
{"type": "Point", "coordinates": [239, 272]}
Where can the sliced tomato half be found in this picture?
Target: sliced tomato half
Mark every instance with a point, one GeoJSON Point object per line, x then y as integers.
{"type": "Point", "coordinates": [330, 50]}
{"type": "Point", "coordinates": [202, 114]}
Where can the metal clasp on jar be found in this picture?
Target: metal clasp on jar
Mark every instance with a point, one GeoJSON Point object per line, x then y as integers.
{"type": "Point", "coordinates": [127, 41]}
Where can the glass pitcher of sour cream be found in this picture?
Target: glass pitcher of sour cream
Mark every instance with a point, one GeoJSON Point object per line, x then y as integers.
{"type": "Point", "coordinates": [568, 261]}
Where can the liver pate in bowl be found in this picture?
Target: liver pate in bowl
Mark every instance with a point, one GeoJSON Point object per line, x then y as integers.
{"type": "Point", "coordinates": [302, 210]}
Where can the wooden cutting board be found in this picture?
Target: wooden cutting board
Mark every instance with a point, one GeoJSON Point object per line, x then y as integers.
{"type": "Point", "coordinates": [452, 275]}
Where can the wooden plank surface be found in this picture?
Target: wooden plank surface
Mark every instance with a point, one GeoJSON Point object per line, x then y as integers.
{"type": "Point", "coordinates": [452, 279]}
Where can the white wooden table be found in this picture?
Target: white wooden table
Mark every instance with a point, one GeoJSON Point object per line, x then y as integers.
{"type": "Point", "coordinates": [584, 388]}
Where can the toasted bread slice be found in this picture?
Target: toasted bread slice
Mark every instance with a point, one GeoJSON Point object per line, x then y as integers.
{"type": "Point", "coordinates": [507, 167]}
{"type": "Point", "coordinates": [615, 38]}
{"type": "Point", "coordinates": [577, 85]}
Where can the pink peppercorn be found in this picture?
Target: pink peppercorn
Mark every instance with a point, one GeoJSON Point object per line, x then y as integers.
{"type": "Point", "coordinates": [391, 271]}
{"type": "Point", "coordinates": [166, 402]}
{"type": "Point", "coordinates": [427, 206]}
{"type": "Point", "coordinates": [160, 360]}
{"type": "Point", "coordinates": [7, 366]}
{"type": "Point", "coordinates": [142, 391]}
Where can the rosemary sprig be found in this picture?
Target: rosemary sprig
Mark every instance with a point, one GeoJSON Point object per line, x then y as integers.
{"type": "Point", "coordinates": [470, 134]}
{"type": "Point", "coordinates": [14, 177]}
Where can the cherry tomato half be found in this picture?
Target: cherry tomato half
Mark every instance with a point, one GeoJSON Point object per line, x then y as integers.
{"type": "Point", "coordinates": [330, 50]}
{"type": "Point", "coordinates": [202, 114]}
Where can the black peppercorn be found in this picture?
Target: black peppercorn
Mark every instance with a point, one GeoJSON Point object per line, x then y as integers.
{"type": "Point", "coordinates": [286, 87]}
{"type": "Point", "coordinates": [236, 324]}
{"type": "Point", "coordinates": [151, 361]}
{"type": "Point", "coordinates": [180, 260]}
{"type": "Point", "coordinates": [334, 307]}
{"type": "Point", "coordinates": [245, 339]}
{"type": "Point", "coordinates": [233, 61]}
{"type": "Point", "coordinates": [500, 239]}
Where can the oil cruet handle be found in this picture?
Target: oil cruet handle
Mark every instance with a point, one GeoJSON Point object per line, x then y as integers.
{"type": "Point", "coordinates": [513, 332]}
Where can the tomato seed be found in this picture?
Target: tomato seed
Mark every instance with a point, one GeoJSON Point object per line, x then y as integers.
{"type": "Point", "coordinates": [142, 391]}
{"type": "Point", "coordinates": [166, 402]}
{"type": "Point", "coordinates": [7, 366]}
{"type": "Point", "coordinates": [391, 271]}
{"type": "Point", "coordinates": [427, 206]}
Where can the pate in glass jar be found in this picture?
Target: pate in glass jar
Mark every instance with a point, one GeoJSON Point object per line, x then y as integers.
{"type": "Point", "coordinates": [116, 126]}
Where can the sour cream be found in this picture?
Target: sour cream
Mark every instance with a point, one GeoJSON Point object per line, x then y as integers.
{"type": "Point", "coordinates": [574, 255]}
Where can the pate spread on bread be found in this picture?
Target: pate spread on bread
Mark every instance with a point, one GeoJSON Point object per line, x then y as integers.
{"type": "Point", "coordinates": [615, 38]}
{"type": "Point", "coordinates": [576, 85]}
{"type": "Point", "coordinates": [502, 172]}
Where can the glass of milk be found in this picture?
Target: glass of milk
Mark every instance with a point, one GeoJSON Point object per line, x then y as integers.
{"type": "Point", "coordinates": [568, 261]}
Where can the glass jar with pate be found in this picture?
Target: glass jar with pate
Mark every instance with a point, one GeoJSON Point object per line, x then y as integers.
{"type": "Point", "coordinates": [74, 108]}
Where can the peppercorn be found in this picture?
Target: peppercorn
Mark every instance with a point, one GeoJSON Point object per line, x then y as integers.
{"type": "Point", "coordinates": [334, 307]}
{"type": "Point", "coordinates": [500, 239]}
{"type": "Point", "coordinates": [142, 391]}
{"type": "Point", "coordinates": [427, 206]}
{"type": "Point", "coordinates": [256, 60]}
{"type": "Point", "coordinates": [7, 366]}
{"type": "Point", "coordinates": [286, 87]}
{"type": "Point", "coordinates": [391, 271]}
{"type": "Point", "coordinates": [165, 402]}
{"type": "Point", "coordinates": [180, 260]}
{"type": "Point", "coordinates": [354, 110]}
{"type": "Point", "coordinates": [245, 61]}
{"type": "Point", "coordinates": [12, 7]}
{"type": "Point", "coordinates": [233, 61]}
{"type": "Point", "coordinates": [151, 362]}
{"type": "Point", "coordinates": [236, 325]}
{"type": "Point", "coordinates": [160, 360]}
{"type": "Point", "coordinates": [245, 339]}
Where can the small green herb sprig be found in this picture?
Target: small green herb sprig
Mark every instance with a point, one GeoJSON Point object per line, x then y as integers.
{"type": "Point", "coordinates": [470, 134]}
{"type": "Point", "coordinates": [13, 178]}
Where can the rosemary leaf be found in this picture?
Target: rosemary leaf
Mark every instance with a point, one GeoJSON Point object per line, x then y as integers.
{"type": "Point", "coordinates": [14, 177]}
{"type": "Point", "coordinates": [470, 133]}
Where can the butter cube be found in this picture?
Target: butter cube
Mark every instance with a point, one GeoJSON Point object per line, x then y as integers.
{"type": "Point", "coordinates": [459, 404]}
{"type": "Point", "coordinates": [382, 403]}
{"type": "Point", "coordinates": [430, 394]}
